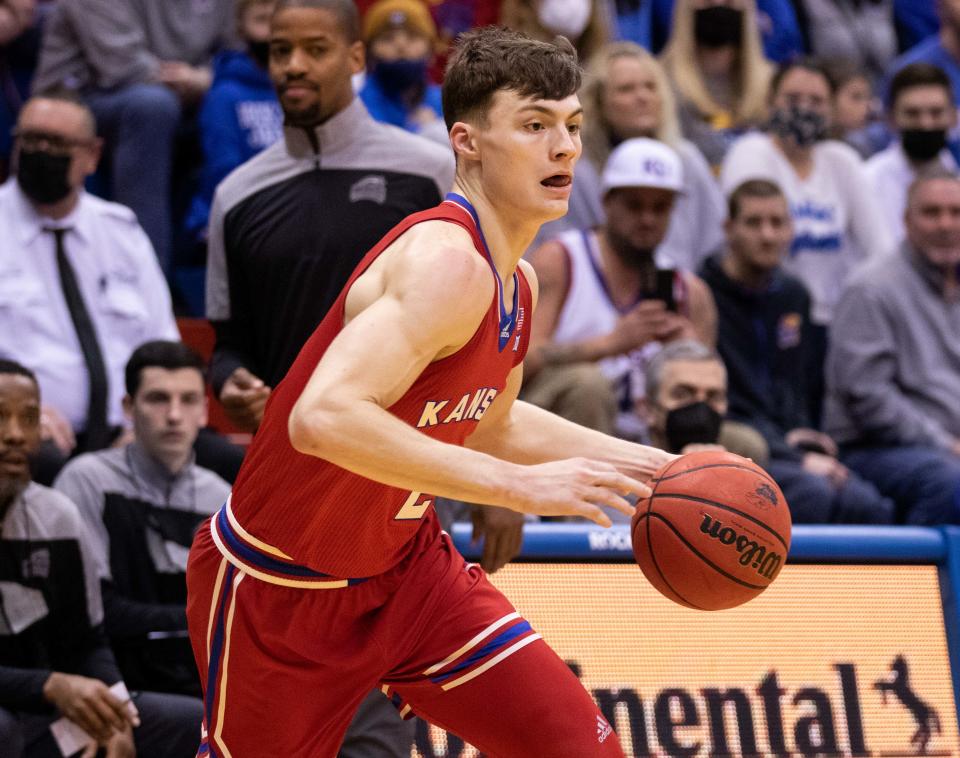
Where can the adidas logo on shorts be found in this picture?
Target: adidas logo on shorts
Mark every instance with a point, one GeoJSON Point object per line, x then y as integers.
{"type": "Point", "coordinates": [604, 729]}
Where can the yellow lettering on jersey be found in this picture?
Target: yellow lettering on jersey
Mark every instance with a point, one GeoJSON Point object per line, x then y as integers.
{"type": "Point", "coordinates": [475, 403]}
{"type": "Point", "coordinates": [430, 412]}
{"type": "Point", "coordinates": [487, 400]}
{"type": "Point", "coordinates": [415, 507]}
{"type": "Point", "coordinates": [457, 414]}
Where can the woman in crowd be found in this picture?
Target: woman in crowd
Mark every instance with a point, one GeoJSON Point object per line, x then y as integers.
{"type": "Point", "coordinates": [715, 62]}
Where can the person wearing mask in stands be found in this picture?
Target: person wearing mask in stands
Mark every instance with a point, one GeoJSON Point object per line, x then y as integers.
{"type": "Point", "coordinates": [401, 37]}
{"type": "Point", "coordinates": [717, 68]}
{"type": "Point", "coordinates": [922, 113]}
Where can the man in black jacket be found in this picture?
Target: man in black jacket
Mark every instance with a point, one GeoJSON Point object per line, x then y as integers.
{"type": "Point", "coordinates": [54, 657]}
{"type": "Point", "coordinates": [288, 227]}
{"type": "Point", "coordinates": [763, 322]}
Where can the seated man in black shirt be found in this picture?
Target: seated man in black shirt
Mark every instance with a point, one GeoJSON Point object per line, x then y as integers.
{"type": "Point", "coordinates": [54, 658]}
{"type": "Point", "coordinates": [764, 340]}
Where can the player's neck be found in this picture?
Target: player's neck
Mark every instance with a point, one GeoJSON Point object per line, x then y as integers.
{"type": "Point", "coordinates": [508, 235]}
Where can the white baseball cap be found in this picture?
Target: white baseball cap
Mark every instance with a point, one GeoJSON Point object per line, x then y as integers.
{"type": "Point", "coordinates": [643, 162]}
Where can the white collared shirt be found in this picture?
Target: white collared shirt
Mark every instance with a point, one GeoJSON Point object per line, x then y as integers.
{"type": "Point", "coordinates": [122, 285]}
{"type": "Point", "coordinates": [889, 176]}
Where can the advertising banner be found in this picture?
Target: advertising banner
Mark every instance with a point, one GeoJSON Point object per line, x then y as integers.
{"type": "Point", "coordinates": [832, 660]}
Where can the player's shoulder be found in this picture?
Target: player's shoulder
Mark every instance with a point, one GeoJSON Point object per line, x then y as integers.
{"type": "Point", "coordinates": [439, 260]}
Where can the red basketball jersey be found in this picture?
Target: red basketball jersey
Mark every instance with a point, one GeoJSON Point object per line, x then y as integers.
{"type": "Point", "coordinates": [322, 517]}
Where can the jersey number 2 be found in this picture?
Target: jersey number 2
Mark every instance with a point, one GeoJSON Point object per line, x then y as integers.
{"type": "Point", "coordinates": [414, 508]}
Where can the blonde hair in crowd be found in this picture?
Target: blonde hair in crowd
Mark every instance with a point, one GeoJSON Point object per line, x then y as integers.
{"type": "Point", "coordinates": [753, 79]}
{"type": "Point", "coordinates": [598, 140]}
{"type": "Point", "coordinates": [521, 15]}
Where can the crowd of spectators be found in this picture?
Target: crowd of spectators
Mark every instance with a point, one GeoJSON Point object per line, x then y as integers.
{"type": "Point", "coordinates": [762, 253]}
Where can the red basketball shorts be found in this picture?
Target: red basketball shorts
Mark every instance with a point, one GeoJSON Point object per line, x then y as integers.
{"type": "Point", "coordinates": [286, 655]}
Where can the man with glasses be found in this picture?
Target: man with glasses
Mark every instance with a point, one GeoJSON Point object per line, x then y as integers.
{"type": "Point", "coordinates": [80, 286]}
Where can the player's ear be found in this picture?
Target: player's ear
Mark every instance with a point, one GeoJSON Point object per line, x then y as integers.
{"type": "Point", "coordinates": [463, 139]}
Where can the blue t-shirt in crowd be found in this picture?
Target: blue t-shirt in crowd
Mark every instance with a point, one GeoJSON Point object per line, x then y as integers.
{"type": "Point", "coordinates": [240, 117]}
{"type": "Point", "coordinates": [648, 22]}
{"type": "Point", "coordinates": [389, 109]}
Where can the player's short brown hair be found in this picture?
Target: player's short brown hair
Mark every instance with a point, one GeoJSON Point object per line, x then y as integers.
{"type": "Point", "coordinates": [494, 58]}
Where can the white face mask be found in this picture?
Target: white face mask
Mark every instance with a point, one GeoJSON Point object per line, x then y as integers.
{"type": "Point", "coordinates": [566, 17]}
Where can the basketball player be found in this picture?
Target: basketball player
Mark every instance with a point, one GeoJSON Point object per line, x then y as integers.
{"type": "Point", "coordinates": [325, 573]}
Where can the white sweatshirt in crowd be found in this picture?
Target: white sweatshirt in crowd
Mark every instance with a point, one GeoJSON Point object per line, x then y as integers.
{"type": "Point", "coordinates": [837, 221]}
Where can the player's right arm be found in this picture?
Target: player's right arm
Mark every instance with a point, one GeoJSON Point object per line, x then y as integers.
{"type": "Point", "coordinates": [404, 315]}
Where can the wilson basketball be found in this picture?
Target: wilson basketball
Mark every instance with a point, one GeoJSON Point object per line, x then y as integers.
{"type": "Point", "coordinates": [714, 533]}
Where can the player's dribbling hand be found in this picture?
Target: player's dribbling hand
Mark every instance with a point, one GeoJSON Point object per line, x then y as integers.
{"type": "Point", "coordinates": [243, 397]}
{"type": "Point", "coordinates": [502, 533]}
{"type": "Point", "coordinates": [577, 487]}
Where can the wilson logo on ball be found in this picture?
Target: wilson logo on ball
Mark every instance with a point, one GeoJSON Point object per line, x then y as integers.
{"type": "Point", "coordinates": [752, 554]}
{"type": "Point", "coordinates": [714, 532]}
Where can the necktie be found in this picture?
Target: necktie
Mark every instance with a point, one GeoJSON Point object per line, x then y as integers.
{"type": "Point", "coordinates": [98, 433]}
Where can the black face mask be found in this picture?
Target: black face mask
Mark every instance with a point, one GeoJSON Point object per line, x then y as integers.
{"type": "Point", "coordinates": [805, 127]}
{"type": "Point", "coordinates": [43, 177]}
{"type": "Point", "coordinates": [400, 75]}
{"type": "Point", "coordinates": [259, 50]}
{"type": "Point", "coordinates": [693, 423]}
{"type": "Point", "coordinates": [922, 145]}
{"type": "Point", "coordinates": [718, 26]}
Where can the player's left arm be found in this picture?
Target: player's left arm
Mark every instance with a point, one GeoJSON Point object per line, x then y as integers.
{"type": "Point", "coordinates": [520, 432]}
